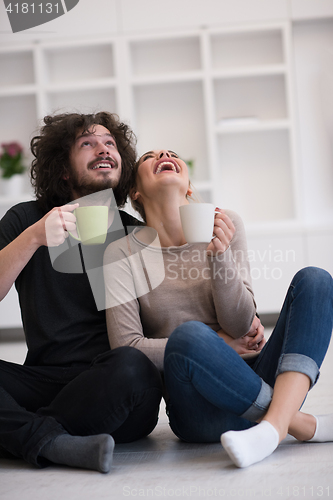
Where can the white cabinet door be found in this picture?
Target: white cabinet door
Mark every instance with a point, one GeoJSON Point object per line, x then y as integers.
{"type": "Point", "coordinates": [274, 261]}
{"type": "Point", "coordinates": [320, 249]}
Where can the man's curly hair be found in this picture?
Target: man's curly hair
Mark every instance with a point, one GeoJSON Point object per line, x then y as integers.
{"type": "Point", "coordinates": [135, 203]}
{"type": "Point", "coordinates": [52, 147]}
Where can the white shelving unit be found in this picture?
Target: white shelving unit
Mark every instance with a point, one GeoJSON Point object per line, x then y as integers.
{"type": "Point", "coordinates": [254, 123]}
{"type": "Point", "coordinates": [223, 98]}
{"type": "Point", "coordinates": [166, 80]}
{"type": "Point", "coordinates": [199, 93]}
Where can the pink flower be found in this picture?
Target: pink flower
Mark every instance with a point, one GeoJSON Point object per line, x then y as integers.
{"type": "Point", "coordinates": [12, 148]}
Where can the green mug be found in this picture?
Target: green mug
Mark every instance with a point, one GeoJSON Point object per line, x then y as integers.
{"type": "Point", "coordinates": [91, 224]}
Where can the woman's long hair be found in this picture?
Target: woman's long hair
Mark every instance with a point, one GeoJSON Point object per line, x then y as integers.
{"type": "Point", "coordinates": [52, 147]}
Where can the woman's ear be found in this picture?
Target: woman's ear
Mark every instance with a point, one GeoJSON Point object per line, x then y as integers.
{"type": "Point", "coordinates": [189, 192]}
{"type": "Point", "coordinates": [134, 194]}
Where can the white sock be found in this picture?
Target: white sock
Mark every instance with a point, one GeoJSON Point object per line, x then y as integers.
{"type": "Point", "coordinates": [324, 429]}
{"type": "Point", "coordinates": [252, 445]}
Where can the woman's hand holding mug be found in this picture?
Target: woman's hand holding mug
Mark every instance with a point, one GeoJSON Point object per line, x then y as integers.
{"type": "Point", "coordinates": [224, 231]}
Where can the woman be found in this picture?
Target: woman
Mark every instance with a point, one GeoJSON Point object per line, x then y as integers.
{"type": "Point", "coordinates": [200, 322]}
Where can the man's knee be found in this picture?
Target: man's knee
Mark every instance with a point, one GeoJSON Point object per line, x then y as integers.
{"type": "Point", "coordinates": [131, 367]}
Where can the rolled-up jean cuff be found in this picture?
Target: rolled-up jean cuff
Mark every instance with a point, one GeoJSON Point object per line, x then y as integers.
{"type": "Point", "coordinates": [299, 363]}
{"type": "Point", "coordinates": [261, 404]}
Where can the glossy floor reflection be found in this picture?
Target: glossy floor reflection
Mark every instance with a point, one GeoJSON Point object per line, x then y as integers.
{"type": "Point", "coordinates": [161, 466]}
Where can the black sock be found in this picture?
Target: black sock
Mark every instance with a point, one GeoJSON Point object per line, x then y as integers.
{"type": "Point", "coordinates": [87, 452]}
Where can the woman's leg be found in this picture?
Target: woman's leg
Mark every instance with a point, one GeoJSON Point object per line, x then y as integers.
{"type": "Point", "coordinates": [210, 386]}
{"type": "Point", "coordinates": [290, 390]}
{"type": "Point", "coordinates": [248, 447]}
{"type": "Point", "coordinates": [302, 334]}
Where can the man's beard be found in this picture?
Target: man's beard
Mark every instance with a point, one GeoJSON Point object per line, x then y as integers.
{"type": "Point", "coordinates": [85, 186]}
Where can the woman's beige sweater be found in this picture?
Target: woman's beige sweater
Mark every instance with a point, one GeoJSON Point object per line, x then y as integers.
{"type": "Point", "coordinates": [152, 290]}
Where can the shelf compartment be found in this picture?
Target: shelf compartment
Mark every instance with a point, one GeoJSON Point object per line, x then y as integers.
{"type": "Point", "coordinates": [73, 64]}
{"type": "Point", "coordinates": [202, 191]}
{"type": "Point", "coordinates": [234, 126]}
{"type": "Point", "coordinates": [21, 119]}
{"type": "Point", "coordinates": [165, 56]}
{"type": "Point", "coordinates": [241, 72]}
{"type": "Point", "coordinates": [189, 76]}
{"type": "Point", "coordinates": [256, 98]}
{"type": "Point", "coordinates": [255, 175]}
{"type": "Point", "coordinates": [172, 116]}
{"type": "Point", "coordinates": [90, 84]}
{"type": "Point", "coordinates": [17, 68]}
{"type": "Point", "coordinates": [82, 101]}
{"type": "Point", "coordinates": [18, 90]}
{"type": "Point", "coordinates": [247, 49]}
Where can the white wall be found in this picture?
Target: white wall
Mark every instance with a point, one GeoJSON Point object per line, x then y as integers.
{"type": "Point", "coordinates": [313, 57]}
{"type": "Point", "coordinates": [88, 17]}
{"type": "Point", "coordinates": [109, 17]}
{"type": "Point", "coordinates": [311, 9]}
{"type": "Point", "coordinates": [96, 17]}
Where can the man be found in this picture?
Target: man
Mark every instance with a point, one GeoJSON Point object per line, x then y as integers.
{"type": "Point", "coordinates": [72, 393]}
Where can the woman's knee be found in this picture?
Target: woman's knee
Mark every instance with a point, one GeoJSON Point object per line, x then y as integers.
{"type": "Point", "coordinates": [316, 280]}
{"type": "Point", "coordinates": [187, 336]}
{"type": "Point", "coordinates": [191, 344]}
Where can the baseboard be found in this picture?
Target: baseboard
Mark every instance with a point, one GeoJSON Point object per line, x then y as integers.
{"type": "Point", "coordinates": [11, 334]}
{"type": "Point", "coordinates": [269, 319]}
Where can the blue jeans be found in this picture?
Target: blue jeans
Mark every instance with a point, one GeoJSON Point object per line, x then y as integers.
{"type": "Point", "coordinates": [212, 389]}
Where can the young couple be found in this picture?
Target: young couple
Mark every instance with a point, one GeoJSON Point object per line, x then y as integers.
{"type": "Point", "coordinates": [74, 397]}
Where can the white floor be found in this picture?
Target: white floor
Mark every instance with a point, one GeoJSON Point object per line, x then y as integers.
{"type": "Point", "coordinates": [161, 466]}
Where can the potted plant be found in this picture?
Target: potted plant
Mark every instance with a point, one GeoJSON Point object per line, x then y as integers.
{"type": "Point", "coordinates": [12, 168]}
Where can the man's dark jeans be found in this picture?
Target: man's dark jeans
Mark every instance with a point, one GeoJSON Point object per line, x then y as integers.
{"type": "Point", "coordinates": [118, 394]}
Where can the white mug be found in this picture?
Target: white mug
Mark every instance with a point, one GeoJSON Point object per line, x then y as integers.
{"type": "Point", "coordinates": [197, 222]}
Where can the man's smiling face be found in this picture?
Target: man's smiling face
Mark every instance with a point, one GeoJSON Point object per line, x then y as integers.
{"type": "Point", "coordinates": [95, 162]}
